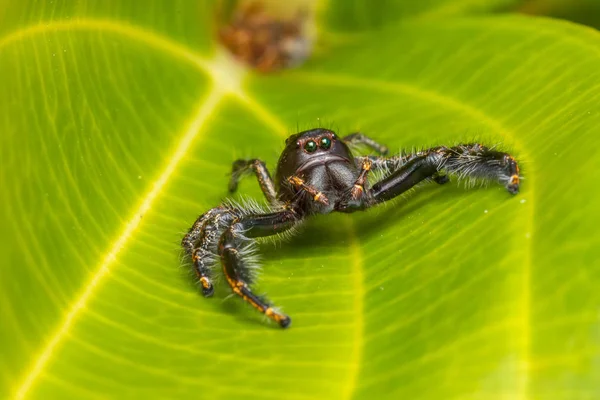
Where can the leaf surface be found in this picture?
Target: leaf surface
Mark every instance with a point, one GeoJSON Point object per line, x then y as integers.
{"type": "Point", "coordinates": [360, 15]}
{"type": "Point", "coordinates": [116, 135]}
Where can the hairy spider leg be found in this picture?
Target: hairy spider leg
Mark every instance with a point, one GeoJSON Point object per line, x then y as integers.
{"type": "Point", "coordinates": [357, 199]}
{"type": "Point", "coordinates": [465, 160]}
{"type": "Point", "coordinates": [198, 243]}
{"type": "Point", "coordinates": [358, 138]}
{"type": "Point", "coordinates": [191, 238]}
{"type": "Point", "coordinates": [231, 250]}
{"type": "Point", "coordinates": [298, 183]}
{"type": "Point", "coordinates": [393, 163]}
{"type": "Point", "coordinates": [203, 256]}
{"type": "Point", "coordinates": [241, 167]}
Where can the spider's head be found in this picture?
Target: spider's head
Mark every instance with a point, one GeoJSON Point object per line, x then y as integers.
{"type": "Point", "coordinates": [310, 148]}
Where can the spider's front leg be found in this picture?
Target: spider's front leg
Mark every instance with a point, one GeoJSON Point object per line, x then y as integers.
{"type": "Point", "coordinates": [236, 248]}
{"type": "Point", "coordinates": [465, 160]}
{"type": "Point", "coordinates": [242, 167]}
{"type": "Point", "coordinates": [357, 199]}
{"type": "Point", "coordinates": [392, 164]}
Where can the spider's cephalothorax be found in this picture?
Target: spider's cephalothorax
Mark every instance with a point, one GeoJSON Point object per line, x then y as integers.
{"type": "Point", "coordinates": [317, 173]}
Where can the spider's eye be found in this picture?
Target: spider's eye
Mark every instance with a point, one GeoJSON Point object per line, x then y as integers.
{"type": "Point", "coordinates": [310, 146]}
{"type": "Point", "coordinates": [325, 143]}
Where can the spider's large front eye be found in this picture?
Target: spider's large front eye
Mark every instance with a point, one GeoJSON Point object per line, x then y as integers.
{"type": "Point", "coordinates": [310, 146]}
{"type": "Point", "coordinates": [325, 143]}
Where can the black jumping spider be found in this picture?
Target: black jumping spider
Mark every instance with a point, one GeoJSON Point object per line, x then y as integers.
{"type": "Point", "coordinates": [317, 173]}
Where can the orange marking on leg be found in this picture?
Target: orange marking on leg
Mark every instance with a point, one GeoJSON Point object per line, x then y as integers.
{"type": "Point", "coordinates": [358, 188]}
{"type": "Point", "coordinates": [514, 180]}
{"type": "Point", "coordinates": [294, 180]}
{"type": "Point", "coordinates": [275, 316]}
{"type": "Point", "coordinates": [205, 282]}
{"type": "Point", "coordinates": [357, 191]}
{"type": "Point", "coordinates": [317, 196]}
{"type": "Point", "coordinates": [320, 197]}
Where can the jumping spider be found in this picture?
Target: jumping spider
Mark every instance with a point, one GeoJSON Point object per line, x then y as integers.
{"type": "Point", "coordinates": [318, 174]}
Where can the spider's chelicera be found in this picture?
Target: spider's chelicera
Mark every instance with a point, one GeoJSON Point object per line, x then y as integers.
{"type": "Point", "coordinates": [318, 174]}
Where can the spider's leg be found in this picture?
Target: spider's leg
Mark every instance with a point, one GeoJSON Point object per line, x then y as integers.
{"type": "Point", "coordinates": [241, 167]}
{"type": "Point", "coordinates": [358, 138]}
{"type": "Point", "coordinates": [466, 161]}
{"type": "Point", "coordinates": [235, 246]}
{"type": "Point", "coordinates": [298, 183]}
{"type": "Point", "coordinates": [203, 256]}
{"type": "Point", "coordinates": [393, 163]}
{"type": "Point", "coordinates": [191, 238]}
{"type": "Point", "coordinates": [440, 179]}
{"type": "Point", "coordinates": [200, 244]}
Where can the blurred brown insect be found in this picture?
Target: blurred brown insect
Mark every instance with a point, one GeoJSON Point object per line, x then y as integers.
{"type": "Point", "coordinates": [263, 41]}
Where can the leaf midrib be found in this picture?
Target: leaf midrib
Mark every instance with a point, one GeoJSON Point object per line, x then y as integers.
{"type": "Point", "coordinates": [220, 89]}
{"type": "Point", "coordinates": [220, 69]}
{"type": "Point", "coordinates": [217, 93]}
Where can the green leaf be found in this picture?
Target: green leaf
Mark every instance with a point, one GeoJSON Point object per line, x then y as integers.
{"type": "Point", "coordinates": [586, 12]}
{"type": "Point", "coordinates": [119, 128]}
{"type": "Point", "coordinates": [358, 15]}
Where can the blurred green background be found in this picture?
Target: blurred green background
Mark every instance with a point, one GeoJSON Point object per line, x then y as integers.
{"type": "Point", "coordinates": [119, 121]}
